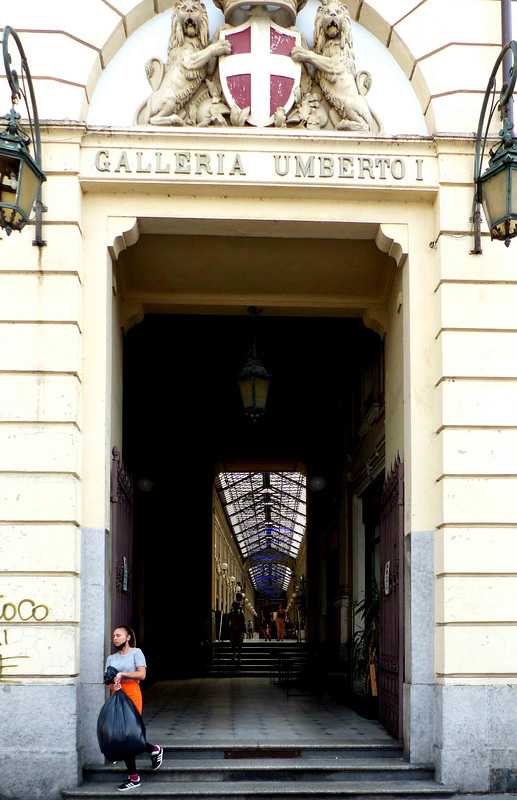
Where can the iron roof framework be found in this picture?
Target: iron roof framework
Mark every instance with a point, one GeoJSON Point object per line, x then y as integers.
{"type": "Point", "coordinates": [267, 514]}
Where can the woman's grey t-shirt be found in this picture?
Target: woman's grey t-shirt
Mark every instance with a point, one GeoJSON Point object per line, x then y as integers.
{"type": "Point", "coordinates": [127, 662]}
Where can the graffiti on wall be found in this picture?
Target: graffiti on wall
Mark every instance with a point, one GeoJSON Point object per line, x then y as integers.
{"type": "Point", "coordinates": [23, 612]}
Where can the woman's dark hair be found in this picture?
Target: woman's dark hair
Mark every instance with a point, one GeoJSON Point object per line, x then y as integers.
{"type": "Point", "coordinates": [130, 632]}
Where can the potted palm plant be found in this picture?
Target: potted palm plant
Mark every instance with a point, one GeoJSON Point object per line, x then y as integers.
{"type": "Point", "coordinates": [365, 650]}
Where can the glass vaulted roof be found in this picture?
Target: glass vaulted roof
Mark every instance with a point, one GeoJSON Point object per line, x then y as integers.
{"type": "Point", "coordinates": [266, 512]}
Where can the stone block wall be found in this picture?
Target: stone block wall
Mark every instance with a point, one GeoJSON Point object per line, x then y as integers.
{"type": "Point", "coordinates": [40, 479]}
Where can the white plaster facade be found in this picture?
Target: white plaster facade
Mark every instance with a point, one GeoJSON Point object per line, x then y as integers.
{"type": "Point", "coordinates": [451, 406]}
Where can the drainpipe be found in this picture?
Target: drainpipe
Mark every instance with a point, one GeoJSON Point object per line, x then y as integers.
{"type": "Point", "coordinates": [506, 31]}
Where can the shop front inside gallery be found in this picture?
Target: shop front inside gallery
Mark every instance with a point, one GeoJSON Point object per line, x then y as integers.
{"type": "Point", "coordinates": [313, 163]}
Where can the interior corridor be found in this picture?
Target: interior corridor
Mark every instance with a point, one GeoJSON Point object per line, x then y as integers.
{"type": "Point", "coordinates": [249, 711]}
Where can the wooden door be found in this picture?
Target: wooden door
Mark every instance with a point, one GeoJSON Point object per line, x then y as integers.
{"type": "Point", "coordinates": [121, 542]}
{"type": "Point", "coordinates": [391, 628]}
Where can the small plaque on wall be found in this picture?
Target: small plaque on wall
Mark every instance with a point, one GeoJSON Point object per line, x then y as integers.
{"type": "Point", "coordinates": [387, 577]}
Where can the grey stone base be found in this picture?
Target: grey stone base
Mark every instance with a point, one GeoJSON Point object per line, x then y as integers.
{"type": "Point", "coordinates": [93, 697]}
{"type": "Point", "coordinates": [38, 741]}
{"type": "Point", "coordinates": [476, 737]}
{"type": "Point", "coordinates": [419, 708]}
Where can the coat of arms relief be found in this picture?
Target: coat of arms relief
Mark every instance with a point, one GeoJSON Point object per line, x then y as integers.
{"type": "Point", "coordinates": [258, 70]}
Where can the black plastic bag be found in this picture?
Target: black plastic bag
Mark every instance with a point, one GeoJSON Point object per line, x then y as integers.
{"type": "Point", "coordinates": [120, 728]}
{"type": "Point", "coordinates": [110, 675]}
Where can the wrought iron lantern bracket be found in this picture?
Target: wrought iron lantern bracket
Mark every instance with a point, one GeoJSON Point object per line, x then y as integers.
{"type": "Point", "coordinates": [502, 166]}
{"type": "Point", "coordinates": [21, 174]}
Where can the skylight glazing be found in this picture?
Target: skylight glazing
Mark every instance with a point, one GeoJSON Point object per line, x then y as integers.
{"type": "Point", "coordinates": [266, 512]}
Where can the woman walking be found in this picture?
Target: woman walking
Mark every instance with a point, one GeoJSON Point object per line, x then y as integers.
{"type": "Point", "coordinates": [237, 629]}
{"type": "Point", "coordinates": [131, 665]}
{"type": "Point", "coordinates": [280, 623]}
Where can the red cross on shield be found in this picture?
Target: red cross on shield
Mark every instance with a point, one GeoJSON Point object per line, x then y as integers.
{"type": "Point", "coordinates": [259, 72]}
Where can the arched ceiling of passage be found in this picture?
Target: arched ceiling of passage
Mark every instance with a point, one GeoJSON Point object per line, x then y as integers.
{"type": "Point", "coordinates": [266, 512]}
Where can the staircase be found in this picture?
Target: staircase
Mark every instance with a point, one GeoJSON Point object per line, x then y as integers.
{"type": "Point", "coordinates": [366, 771]}
{"type": "Point", "coordinates": [258, 658]}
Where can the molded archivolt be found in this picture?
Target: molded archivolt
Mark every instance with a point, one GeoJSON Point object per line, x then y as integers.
{"type": "Point", "coordinates": [445, 49]}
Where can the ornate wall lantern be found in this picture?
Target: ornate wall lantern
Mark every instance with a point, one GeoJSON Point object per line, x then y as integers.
{"type": "Point", "coordinates": [254, 379]}
{"type": "Point", "coordinates": [496, 189]}
{"type": "Point", "coordinates": [21, 175]}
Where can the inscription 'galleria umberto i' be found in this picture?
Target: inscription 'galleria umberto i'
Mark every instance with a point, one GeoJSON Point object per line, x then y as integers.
{"type": "Point", "coordinates": [203, 164]}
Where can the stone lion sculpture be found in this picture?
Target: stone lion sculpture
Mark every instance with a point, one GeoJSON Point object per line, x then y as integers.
{"type": "Point", "coordinates": [189, 60]}
{"type": "Point", "coordinates": [332, 64]}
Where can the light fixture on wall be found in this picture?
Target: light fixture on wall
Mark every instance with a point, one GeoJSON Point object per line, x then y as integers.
{"type": "Point", "coordinates": [317, 483]}
{"type": "Point", "coordinates": [496, 188]}
{"type": "Point", "coordinates": [254, 379]}
{"type": "Point", "coordinates": [21, 175]}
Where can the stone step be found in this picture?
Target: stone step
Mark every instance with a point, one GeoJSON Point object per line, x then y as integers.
{"type": "Point", "coordinates": [263, 790]}
{"type": "Point", "coordinates": [236, 672]}
{"type": "Point", "coordinates": [230, 750]}
{"type": "Point", "coordinates": [263, 769]}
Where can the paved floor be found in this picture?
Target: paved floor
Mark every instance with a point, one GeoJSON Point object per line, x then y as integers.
{"type": "Point", "coordinates": [248, 710]}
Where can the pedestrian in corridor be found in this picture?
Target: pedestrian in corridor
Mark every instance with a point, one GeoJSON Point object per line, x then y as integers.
{"type": "Point", "coordinates": [266, 613]}
{"type": "Point", "coordinates": [280, 623]}
{"type": "Point", "coordinates": [237, 629]}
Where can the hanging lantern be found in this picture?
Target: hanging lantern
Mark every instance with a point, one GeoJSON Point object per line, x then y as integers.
{"type": "Point", "coordinates": [498, 186]}
{"type": "Point", "coordinates": [254, 379]}
{"type": "Point", "coordinates": [21, 175]}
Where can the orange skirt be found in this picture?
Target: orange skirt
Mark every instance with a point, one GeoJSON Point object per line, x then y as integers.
{"type": "Point", "coordinates": [133, 691]}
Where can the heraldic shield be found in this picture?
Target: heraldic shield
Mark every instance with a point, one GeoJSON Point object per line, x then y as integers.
{"type": "Point", "coordinates": [259, 72]}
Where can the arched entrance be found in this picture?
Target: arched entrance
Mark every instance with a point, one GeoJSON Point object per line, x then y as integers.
{"type": "Point", "coordinates": [183, 416]}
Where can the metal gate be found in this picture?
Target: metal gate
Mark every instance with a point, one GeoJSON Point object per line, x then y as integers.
{"type": "Point", "coordinates": [391, 629]}
{"type": "Point", "coordinates": [121, 541]}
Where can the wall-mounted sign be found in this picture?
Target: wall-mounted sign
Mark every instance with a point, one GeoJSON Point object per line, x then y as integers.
{"type": "Point", "coordinates": [387, 577]}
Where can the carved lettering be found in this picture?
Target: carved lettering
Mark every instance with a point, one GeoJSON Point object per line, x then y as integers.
{"type": "Point", "coordinates": [398, 169]}
{"type": "Point", "coordinates": [365, 165]}
{"type": "Point", "coordinates": [161, 170]}
{"type": "Point", "coordinates": [182, 163]}
{"type": "Point", "coordinates": [101, 160]}
{"type": "Point", "coordinates": [139, 167]}
{"type": "Point", "coordinates": [265, 165]}
{"type": "Point", "coordinates": [203, 163]}
{"type": "Point", "coordinates": [326, 167]}
{"type": "Point", "coordinates": [304, 170]}
{"type": "Point", "coordinates": [237, 168]}
{"type": "Point", "coordinates": [346, 167]}
{"type": "Point", "coordinates": [382, 163]}
{"type": "Point", "coordinates": [278, 169]}
{"type": "Point", "coordinates": [123, 163]}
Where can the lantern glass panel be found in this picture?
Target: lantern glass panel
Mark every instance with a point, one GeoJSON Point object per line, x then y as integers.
{"type": "Point", "coordinates": [495, 198]}
{"type": "Point", "coordinates": [28, 186]}
{"type": "Point", "coordinates": [261, 389]}
{"type": "Point", "coordinates": [513, 193]}
{"type": "Point", "coordinates": [246, 392]}
{"type": "Point", "coordinates": [9, 168]}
